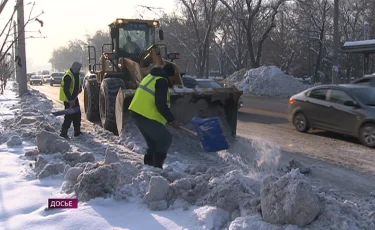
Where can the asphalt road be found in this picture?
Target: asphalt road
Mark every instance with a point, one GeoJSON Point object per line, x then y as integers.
{"type": "Point", "coordinates": [266, 119]}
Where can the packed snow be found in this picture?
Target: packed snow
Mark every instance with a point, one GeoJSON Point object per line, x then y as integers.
{"type": "Point", "coordinates": [244, 187]}
{"type": "Point", "coordinates": [266, 81]}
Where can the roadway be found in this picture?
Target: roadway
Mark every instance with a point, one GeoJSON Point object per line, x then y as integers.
{"type": "Point", "coordinates": [266, 119]}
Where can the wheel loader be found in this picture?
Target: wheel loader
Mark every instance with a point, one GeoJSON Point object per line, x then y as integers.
{"type": "Point", "coordinates": [113, 80]}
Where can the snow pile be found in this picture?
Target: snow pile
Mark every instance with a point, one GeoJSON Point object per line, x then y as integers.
{"type": "Point", "coordinates": [207, 190]}
{"type": "Point", "coordinates": [157, 192]}
{"type": "Point", "coordinates": [211, 217]}
{"type": "Point", "coordinates": [50, 142]}
{"type": "Point", "coordinates": [289, 200]}
{"type": "Point", "coordinates": [14, 141]}
{"type": "Point", "coordinates": [266, 81]}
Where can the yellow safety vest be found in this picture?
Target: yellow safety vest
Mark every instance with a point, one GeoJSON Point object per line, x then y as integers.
{"type": "Point", "coordinates": [62, 95]}
{"type": "Point", "coordinates": [143, 101]}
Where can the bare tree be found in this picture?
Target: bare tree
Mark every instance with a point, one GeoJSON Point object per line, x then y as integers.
{"type": "Point", "coordinates": [258, 20]}
{"type": "Point", "coordinates": [9, 38]}
{"type": "Point", "coordinates": [312, 20]}
{"type": "Point", "coordinates": [203, 23]}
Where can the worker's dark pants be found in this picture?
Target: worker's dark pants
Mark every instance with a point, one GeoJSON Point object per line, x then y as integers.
{"type": "Point", "coordinates": [69, 118]}
{"type": "Point", "coordinates": [157, 137]}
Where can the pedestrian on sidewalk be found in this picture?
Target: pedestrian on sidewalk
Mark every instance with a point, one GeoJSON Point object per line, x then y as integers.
{"type": "Point", "coordinates": [70, 88]}
{"type": "Point", "coordinates": [150, 112]}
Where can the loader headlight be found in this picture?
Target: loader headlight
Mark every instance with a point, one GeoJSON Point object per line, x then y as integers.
{"type": "Point", "coordinates": [120, 21]}
{"type": "Point", "coordinates": [155, 23]}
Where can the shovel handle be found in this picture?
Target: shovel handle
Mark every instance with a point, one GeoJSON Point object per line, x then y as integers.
{"type": "Point", "coordinates": [188, 131]}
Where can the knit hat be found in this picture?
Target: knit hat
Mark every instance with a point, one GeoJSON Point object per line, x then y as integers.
{"type": "Point", "coordinates": [76, 67]}
{"type": "Point", "coordinates": [169, 69]}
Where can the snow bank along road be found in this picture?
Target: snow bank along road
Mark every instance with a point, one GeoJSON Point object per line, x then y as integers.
{"type": "Point", "coordinates": [265, 118]}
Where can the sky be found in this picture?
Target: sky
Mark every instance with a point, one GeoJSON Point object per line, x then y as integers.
{"type": "Point", "coordinates": [66, 20]}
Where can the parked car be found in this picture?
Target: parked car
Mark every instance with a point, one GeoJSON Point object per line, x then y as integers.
{"type": "Point", "coordinates": [366, 80]}
{"type": "Point", "coordinates": [36, 80]}
{"type": "Point", "coordinates": [190, 82]}
{"type": "Point", "coordinates": [346, 109]}
{"type": "Point", "coordinates": [56, 78]}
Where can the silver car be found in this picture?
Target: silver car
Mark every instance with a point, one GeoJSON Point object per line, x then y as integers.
{"type": "Point", "coordinates": [56, 78]}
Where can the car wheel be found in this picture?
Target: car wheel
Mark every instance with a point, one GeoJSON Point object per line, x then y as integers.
{"type": "Point", "coordinates": [367, 135]}
{"type": "Point", "coordinates": [300, 122]}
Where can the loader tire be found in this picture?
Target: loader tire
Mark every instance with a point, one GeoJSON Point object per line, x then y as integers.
{"type": "Point", "coordinates": [91, 100]}
{"type": "Point", "coordinates": [107, 102]}
{"type": "Point", "coordinates": [122, 112]}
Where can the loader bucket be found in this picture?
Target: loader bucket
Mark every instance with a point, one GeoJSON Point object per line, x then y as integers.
{"type": "Point", "coordinates": [189, 103]}
{"type": "Point", "coordinates": [207, 103]}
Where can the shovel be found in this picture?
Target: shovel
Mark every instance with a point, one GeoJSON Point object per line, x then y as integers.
{"type": "Point", "coordinates": [210, 134]}
{"type": "Point", "coordinates": [71, 110]}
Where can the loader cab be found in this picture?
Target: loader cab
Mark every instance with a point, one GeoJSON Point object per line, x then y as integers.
{"type": "Point", "coordinates": [130, 37]}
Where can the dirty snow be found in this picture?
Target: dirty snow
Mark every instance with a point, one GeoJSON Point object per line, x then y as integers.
{"type": "Point", "coordinates": [195, 190]}
{"type": "Point", "coordinates": [266, 81]}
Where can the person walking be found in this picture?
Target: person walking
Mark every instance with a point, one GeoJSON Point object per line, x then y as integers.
{"type": "Point", "coordinates": [150, 110]}
{"type": "Point", "coordinates": [71, 87]}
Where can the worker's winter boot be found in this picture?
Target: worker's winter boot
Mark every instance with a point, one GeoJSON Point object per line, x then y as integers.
{"type": "Point", "coordinates": [159, 160]}
{"type": "Point", "coordinates": [77, 131]}
{"type": "Point", "coordinates": [64, 133]}
{"type": "Point", "coordinates": [76, 134]}
{"type": "Point", "coordinates": [148, 159]}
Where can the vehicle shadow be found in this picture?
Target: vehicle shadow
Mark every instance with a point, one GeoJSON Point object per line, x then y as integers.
{"type": "Point", "coordinates": [260, 118]}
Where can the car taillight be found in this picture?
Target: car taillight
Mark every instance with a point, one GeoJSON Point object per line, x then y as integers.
{"type": "Point", "coordinates": [292, 101]}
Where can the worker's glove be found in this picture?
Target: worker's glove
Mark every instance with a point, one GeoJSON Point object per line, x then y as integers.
{"type": "Point", "coordinates": [175, 124]}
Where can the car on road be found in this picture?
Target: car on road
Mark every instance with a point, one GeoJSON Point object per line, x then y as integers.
{"type": "Point", "coordinates": [56, 78]}
{"type": "Point", "coordinates": [36, 80]}
{"type": "Point", "coordinates": [368, 80]}
{"type": "Point", "coordinates": [46, 78]}
{"type": "Point", "coordinates": [28, 75]}
{"type": "Point", "coordinates": [203, 83]}
{"type": "Point", "coordinates": [347, 109]}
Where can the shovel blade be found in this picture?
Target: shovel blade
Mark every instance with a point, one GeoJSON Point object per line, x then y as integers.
{"type": "Point", "coordinates": [210, 133]}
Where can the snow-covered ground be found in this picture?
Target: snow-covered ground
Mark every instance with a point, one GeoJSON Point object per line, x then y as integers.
{"type": "Point", "coordinates": [266, 81]}
{"type": "Point", "coordinates": [241, 188]}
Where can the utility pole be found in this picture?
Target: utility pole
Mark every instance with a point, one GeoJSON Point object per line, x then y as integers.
{"type": "Point", "coordinates": [22, 81]}
{"type": "Point", "coordinates": [336, 42]}
{"type": "Point", "coordinates": [15, 52]}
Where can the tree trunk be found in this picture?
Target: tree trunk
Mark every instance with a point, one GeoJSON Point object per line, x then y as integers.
{"type": "Point", "coordinates": [250, 47]}
{"type": "Point", "coordinates": [318, 62]}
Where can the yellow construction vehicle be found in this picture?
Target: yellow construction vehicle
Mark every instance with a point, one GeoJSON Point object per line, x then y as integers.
{"type": "Point", "coordinates": [113, 80]}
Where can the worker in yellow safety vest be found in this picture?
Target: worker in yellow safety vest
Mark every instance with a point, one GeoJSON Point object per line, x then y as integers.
{"type": "Point", "coordinates": [71, 87]}
{"type": "Point", "coordinates": [150, 110]}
